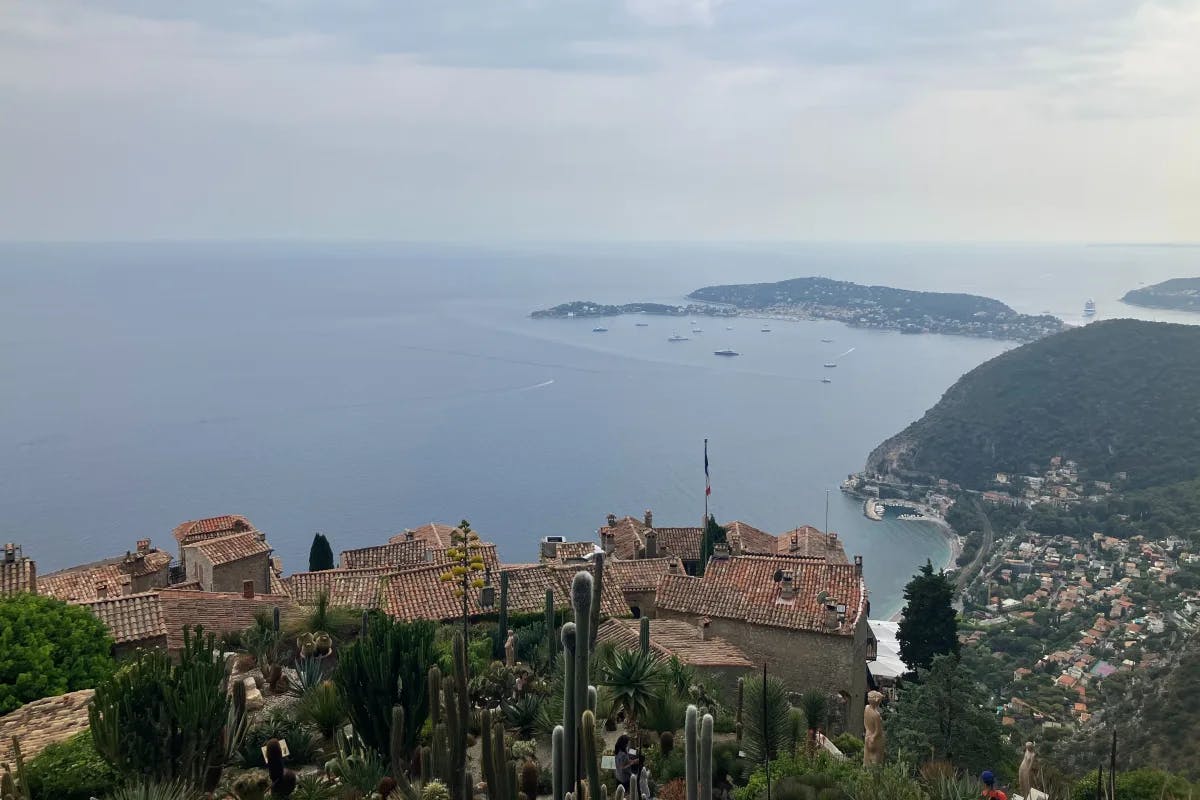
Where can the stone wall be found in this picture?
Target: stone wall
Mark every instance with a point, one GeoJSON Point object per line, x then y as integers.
{"type": "Point", "coordinates": [229, 577]}
{"type": "Point", "coordinates": [802, 659]}
{"type": "Point", "coordinates": [642, 601]}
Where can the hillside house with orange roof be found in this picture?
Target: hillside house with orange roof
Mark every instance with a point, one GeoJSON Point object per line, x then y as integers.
{"type": "Point", "coordinates": [803, 616]}
{"type": "Point", "coordinates": [139, 570]}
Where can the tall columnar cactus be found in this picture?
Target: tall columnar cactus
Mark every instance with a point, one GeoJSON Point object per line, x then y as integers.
{"type": "Point", "coordinates": [396, 757]}
{"type": "Point", "coordinates": [591, 752]}
{"type": "Point", "coordinates": [737, 717]}
{"type": "Point", "coordinates": [502, 619]}
{"type": "Point", "coordinates": [570, 708]}
{"type": "Point", "coordinates": [18, 789]}
{"type": "Point", "coordinates": [594, 616]}
{"type": "Point", "coordinates": [644, 635]}
{"type": "Point", "coordinates": [550, 621]}
{"type": "Point", "coordinates": [283, 780]}
{"type": "Point", "coordinates": [557, 765]}
{"type": "Point", "coordinates": [365, 625]}
{"type": "Point", "coordinates": [706, 762]}
{"type": "Point", "coordinates": [450, 716]}
{"type": "Point", "coordinates": [275, 619]}
{"type": "Point", "coordinates": [690, 755]}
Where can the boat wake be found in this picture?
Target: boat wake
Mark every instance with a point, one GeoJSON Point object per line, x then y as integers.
{"type": "Point", "coordinates": [536, 386]}
{"type": "Point", "coordinates": [848, 352]}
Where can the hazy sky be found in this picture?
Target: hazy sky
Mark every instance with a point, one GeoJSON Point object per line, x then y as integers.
{"type": "Point", "coordinates": [592, 119]}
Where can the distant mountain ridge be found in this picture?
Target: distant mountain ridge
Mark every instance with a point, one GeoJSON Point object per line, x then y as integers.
{"type": "Point", "coordinates": [1116, 396]}
{"type": "Point", "coordinates": [1177, 294]}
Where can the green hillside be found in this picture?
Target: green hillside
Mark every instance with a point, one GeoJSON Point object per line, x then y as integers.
{"type": "Point", "coordinates": [1179, 294]}
{"type": "Point", "coordinates": [1115, 396]}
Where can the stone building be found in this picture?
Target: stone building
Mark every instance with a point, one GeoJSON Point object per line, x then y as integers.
{"type": "Point", "coordinates": [17, 573]}
{"type": "Point", "coordinates": [198, 530]}
{"type": "Point", "coordinates": [140, 570]}
{"type": "Point", "coordinates": [804, 616]}
{"type": "Point", "coordinates": [224, 564]}
{"type": "Point", "coordinates": [716, 661]}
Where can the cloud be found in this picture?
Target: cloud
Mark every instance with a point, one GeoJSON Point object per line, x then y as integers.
{"type": "Point", "coordinates": [639, 119]}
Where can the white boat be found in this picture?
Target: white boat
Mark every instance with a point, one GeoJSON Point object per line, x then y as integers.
{"type": "Point", "coordinates": [726, 352]}
{"type": "Point", "coordinates": [642, 324]}
{"type": "Point", "coordinates": [599, 329]}
{"type": "Point", "coordinates": [1089, 308]}
{"type": "Point", "coordinates": [728, 327]}
{"type": "Point", "coordinates": [697, 330]}
{"type": "Point", "coordinates": [830, 365]}
{"type": "Point", "coordinates": [827, 341]}
{"type": "Point", "coordinates": [677, 338]}
{"type": "Point", "coordinates": [766, 329]}
{"type": "Point", "coordinates": [826, 380]}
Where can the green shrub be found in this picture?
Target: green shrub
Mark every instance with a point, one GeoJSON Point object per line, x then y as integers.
{"type": "Point", "coordinates": [50, 648]}
{"type": "Point", "coordinates": [849, 744]}
{"type": "Point", "coordinates": [322, 707]}
{"type": "Point", "coordinates": [1139, 784]}
{"type": "Point", "coordinates": [70, 770]}
{"type": "Point", "coordinates": [301, 740]}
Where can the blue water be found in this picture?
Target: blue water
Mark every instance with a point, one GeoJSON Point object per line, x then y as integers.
{"type": "Point", "coordinates": [360, 389]}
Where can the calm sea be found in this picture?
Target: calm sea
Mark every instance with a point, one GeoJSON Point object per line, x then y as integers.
{"type": "Point", "coordinates": [361, 389]}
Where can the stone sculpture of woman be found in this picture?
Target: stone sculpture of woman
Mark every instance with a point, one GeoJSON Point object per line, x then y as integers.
{"type": "Point", "coordinates": [874, 742]}
{"type": "Point", "coordinates": [1025, 775]}
{"type": "Point", "coordinates": [510, 649]}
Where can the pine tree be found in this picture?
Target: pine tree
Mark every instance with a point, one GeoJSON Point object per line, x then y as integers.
{"type": "Point", "coordinates": [320, 555]}
{"type": "Point", "coordinates": [928, 626]}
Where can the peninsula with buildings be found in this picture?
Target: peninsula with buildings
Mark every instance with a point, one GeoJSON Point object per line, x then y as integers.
{"type": "Point", "coordinates": [857, 305]}
{"type": "Point", "coordinates": [1177, 294]}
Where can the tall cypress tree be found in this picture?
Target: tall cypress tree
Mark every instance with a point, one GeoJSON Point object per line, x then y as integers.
{"type": "Point", "coordinates": [320, 555]}
{"type": "Point", "coordinates": [928, 626]}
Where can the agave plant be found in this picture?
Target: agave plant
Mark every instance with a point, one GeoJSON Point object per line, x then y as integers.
{"type": "Point", "coordinates": [154, 791]}
{"type": "Point", "coordinates": [314, 786]}
{"type": "Point", "coordinates": [522, 715]}
{"type": "Point", "coordinates": [322, 707]}
{"type": "Point", "coordinates": [309, 674]}
{"type": "Point", "coordinates": [634, 678]}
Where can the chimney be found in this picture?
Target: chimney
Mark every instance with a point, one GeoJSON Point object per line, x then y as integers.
{"type": "Point", "coordinates": [143, 545]}
{"type": "Point", "coordinates": [721, 551]}
{"type": "Point", "coordinates": [833, 542]}
{"type": "Point", "coordinates": [10, 553]}
{"type": "Point", "coordinates": [673, 566]}
{"type": "Point", "coordinates": [608, 542]}
{"type": "Point", "coordinates": [858, 565]}
{"type": "Point", "coordinates": [787, 587]}
{"type": "Point", "coordinates": [735, 545]}
{"type": "Point", "coordinates": [408, 535]}
{"type": "Point", "coordinates": [101, 590]}
{"type": "Point", "coordinates": [831, 617]}
{"type": "Point", "coordinates": [795, 545]}
{"type": "Point", "coordinates": [702, 628]}
{"type": "Point", "coordinates": [248, 590]}
{"type": "Point", "coordinates": [651, 542]}
{"type": "Point", "coordinates": [649, 518]}
{"type": "Point", "coordinates": [612, 520]}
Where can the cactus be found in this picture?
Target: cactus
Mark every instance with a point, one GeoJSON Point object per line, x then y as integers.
{"type": "Point", "coordinates": [529, 780]}
{"type": "Point", "coordinates": [551, 619]}
{"type": "Point", "coordinates": [435, 790]}
{"type": "Point", "coordinates": [581, 601]}
{"type": "Point", "coordinates": [283, 780]}
{"type": "Point", "coordinates": [706, 766]}
{"type": "Point", "coordinates": [323, 643]}
{"type": "Point", "coordinates": [450, 715]}
{"type": "Point", "coordinates": [557, 766]}
{"type": "Point", "coordinates": [499, 770]}
{"type": "Point", "coordinates": [666, 743]}
{"type": "Point", "coordinates": [251, 786]}
{"type": "Point", "coordinates": [502, 619]}
{"type": "Point", "coordinates": [620, 793]}
{"type": "Point", "coordinates": [737, 717]}
{"type": "Point", "coordinates": [18, 789]}
{"type": "Point", "coordinates": [593, 699]}
{"type": "Point", "coordinates": [570, 709]}
{"type": "Point", "coordinates": [591, 752]}
{"type": "Point", "coordinates": [275, 619]}
{"type": "Point", "coordinates": [644, 635]}
{"type": "Point", "coordinates": [691, 768]}
{"type": "Point", "coordinates": [594, 616]}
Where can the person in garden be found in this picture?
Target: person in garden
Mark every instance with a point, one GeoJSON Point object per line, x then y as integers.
{"type": "Point", "coordinates": [990, 792]}
{"type": "Point", "coordinates": [622, 760]}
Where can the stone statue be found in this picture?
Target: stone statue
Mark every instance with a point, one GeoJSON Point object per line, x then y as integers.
{"type": "Point", "coordinates": [1025, 775]}
{"type": "Point", "coordinates": [874, 741]}
{"type": "Point", "coordinates": [510, 649]}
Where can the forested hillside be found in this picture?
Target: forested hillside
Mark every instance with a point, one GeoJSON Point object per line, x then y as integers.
{"type": "Point", "coordinates": [1115, 396]}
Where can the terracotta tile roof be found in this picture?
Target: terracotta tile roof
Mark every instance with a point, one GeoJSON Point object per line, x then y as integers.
{"type": "Point", "coordinates": [406, 553]}
{"type": "Point", "coordinates": [218, 612]}
{"type": "Point", "coordinates": [434, 534]}
{"type": "Point", "coordinates": [808, 541]}
{"type": "Point", "coordinates": [277, 584]}
{"type": "Point", "coordinates": [44, 722]}
{"type": "Point", "coordinates": [227, 549]}
{"type": "Point", "coordinates": [352, 588]}
{"type": "Point", "coordinates": [573, 551]}
{"type": "Point", "coordinates": [744, 588]}
{"type": "Point", "coordinates": [81, 584]}
{"type": "Point", "coordinates": [421, 594]}
{"type": "Point", "coordinates": [641, 574]}
{"type": "Point", "coordinates": [18, 575]}
{"type": "Point", "coordinates": [132, 618]}
{"type": "Point", "coordinates": [192, 586]}
{"type": "Point", "coordinates": [77, 585]}
{"type": "Point", "coordinates": [675, 638]}
{"type": "Point", "coordinates": [749, 539]}
{"type": "Point", "coordinates": [681, 542]}
{"type": "Point", "coordinates": [627, 537]}
{"type": "Point", "coordinates": [211, 527]}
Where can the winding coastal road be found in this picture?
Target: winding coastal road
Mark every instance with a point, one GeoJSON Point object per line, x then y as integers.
{"type": "Point", "coordinates": [985, 547]}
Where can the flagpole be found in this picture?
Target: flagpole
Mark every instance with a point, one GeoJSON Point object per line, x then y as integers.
{"type": "Point", "coordinates": [707, 487]}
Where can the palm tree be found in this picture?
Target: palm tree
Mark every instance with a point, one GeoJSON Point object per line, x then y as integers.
{"type": "Point", "coordinates": [634, 678]}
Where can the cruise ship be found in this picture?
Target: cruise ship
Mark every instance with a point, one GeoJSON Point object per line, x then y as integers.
{"type": "Point", "coordinates": [1089, 308]}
